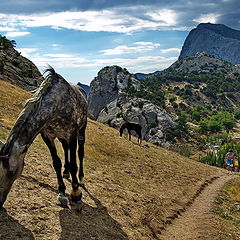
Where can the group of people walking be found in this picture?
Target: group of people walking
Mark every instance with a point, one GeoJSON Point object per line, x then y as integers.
{"type": "Point", "coordinates": [231, 162]}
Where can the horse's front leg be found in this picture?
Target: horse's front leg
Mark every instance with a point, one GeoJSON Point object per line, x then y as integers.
{"type": "Point", "coordinates": [140, 138]}
{"type": "Point", "coordinates": [62, 198]}
{"type": "Point", "coordinates": [76, 193]}
{"type": "Point", "coordinates": [129, 135]}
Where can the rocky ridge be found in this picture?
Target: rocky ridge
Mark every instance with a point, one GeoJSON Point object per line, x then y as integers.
{"type": "Point", "coordinates": [216, 39]}
{"type": "Point", "coordinates": [19, 70]}
{"type": "Point", "coordinates": [202, 63]}
{"type": "Point", "coordinates": [106, 87]}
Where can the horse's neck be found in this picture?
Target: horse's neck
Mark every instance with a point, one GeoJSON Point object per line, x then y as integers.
{"type": "Point", "coordinates": [26, 128]}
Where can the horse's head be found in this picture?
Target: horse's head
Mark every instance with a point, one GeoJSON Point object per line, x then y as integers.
{"type": "Point", "coordinates": [122, 128]}
{"type": "Point", "coordinates": [11, 166]}
{"type": "Point", "coordinates": [121, 132]}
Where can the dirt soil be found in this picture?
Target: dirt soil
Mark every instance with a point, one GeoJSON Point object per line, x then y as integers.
{"type": "Point", "coordinates": [133, 192]}
{"type": "Point", "coordinates": [198, 222]}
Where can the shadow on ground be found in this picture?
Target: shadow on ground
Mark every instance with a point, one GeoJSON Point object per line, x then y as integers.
{"type": "Point", "coordinates": [12, 229]}
{"type": "Point", "coordinates": [91, 223]}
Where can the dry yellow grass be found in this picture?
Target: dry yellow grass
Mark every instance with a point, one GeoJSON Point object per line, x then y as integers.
{"type": "Point", "coordinates": [132, 191]}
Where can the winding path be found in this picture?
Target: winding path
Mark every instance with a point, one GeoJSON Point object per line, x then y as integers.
{"type": "Point", "coordinates": [197, 222]}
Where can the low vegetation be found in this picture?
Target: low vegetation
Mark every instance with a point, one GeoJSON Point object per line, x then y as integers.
{"type": "Point", "coordinates": [227, 208]}
{"type": "Point", "coordinates": [6, 43]}
{"type": "Point", "coordinates": [207, 97]}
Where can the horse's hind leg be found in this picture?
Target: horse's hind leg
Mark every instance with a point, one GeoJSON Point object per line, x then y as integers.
{"type": "Point", "coordinates": [76, 193]}
{"type": "Point", "coordinates": [81, 141]}
{"type": "Point", "coordinates": [66, 163]}
{"type": "Point", "coordinates": [57, 166]}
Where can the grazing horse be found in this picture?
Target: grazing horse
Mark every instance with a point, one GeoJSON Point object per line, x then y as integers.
{"type": "Point", "coordinates": [132, 126]}
{"type": "Point", "coordinates": [57, 110]}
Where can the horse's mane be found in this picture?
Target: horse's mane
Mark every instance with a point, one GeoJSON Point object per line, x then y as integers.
{"type": "Point", "coordinates": [31, 106]}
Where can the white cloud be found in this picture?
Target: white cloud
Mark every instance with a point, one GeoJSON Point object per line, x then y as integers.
{"type": "Point", "coordinates": [16, 34]}
{"type": "Point", "coordinates": [205, 18]}
{"type": "Point", "coordinates": [26, 52]}
{"type": "Point", "coordinates": [55, 45]}
{"type": "Point", "coordinates": [114, 20]}
{"type": "Point", "coordinates": [168, 50]}
{"type": "Point", "coordinates": [167, 17]}
{"type": "Point", "coordinates": [7, 29]}
{"type": "Point", "coordinates": [72, 61]}
{"type": "Point", "coordinates": [122, 49]}
{"type": "Point", "coordinates": [147, 44]}
{"type": "Point", "coordinates": [58, 55]}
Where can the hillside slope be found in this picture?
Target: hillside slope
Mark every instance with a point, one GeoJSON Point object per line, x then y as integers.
{"type": "Point", "coordinates": [132, 191]}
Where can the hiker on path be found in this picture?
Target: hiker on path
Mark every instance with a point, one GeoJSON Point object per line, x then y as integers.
{"type": "Point", "coordinates": [236, 164]}
{"type": "Point", "coordinates": [229, 158]}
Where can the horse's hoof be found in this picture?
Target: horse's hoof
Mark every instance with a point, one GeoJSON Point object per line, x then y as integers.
{"type": "Point", "coordinates": [76, 196]}
{"type": "Point", "coordinates": [62, 200]}
{"type": "Point", "coordinates": [81, 184]}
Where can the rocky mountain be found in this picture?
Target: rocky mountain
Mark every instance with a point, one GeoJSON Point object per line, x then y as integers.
{"type": "Point", "coordinates": [215, 39]}
{"type": "Point", "coordinates": [110, 104]}
{"type": "Point", "coordinates": [106, 87]}
{"type": "Point", "coordinates": [143, 75]}
{"type": "Point", "coordinates": [85, 87]}
{"type": "Point", "coordinates": [17, 69]}
{"type": "Point", "coordinates": [197, 80]}
{"type": "Point", "coordinates": [203, 63]}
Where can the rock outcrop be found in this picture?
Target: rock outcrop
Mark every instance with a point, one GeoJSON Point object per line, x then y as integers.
{"type": "Point", "coordinates": [110, 104]}
{"type": "Point", "coordinates": [19, 70]}
{"type": "Point", "coordinates": [215, 39]}
{"type": "Point", "coordinates": [106, 87]}
{"type": "Point", "coordinates": [154, 120]}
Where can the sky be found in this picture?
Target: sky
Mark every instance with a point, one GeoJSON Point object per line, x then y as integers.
{"type": "Point", "coordinates": [80, 37]}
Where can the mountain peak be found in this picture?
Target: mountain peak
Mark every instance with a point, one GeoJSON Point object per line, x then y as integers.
{"type": "Point", "coordinates": [215, 39]}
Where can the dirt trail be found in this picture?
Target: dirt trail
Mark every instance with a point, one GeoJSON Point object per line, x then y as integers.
{"type": "Point", "coordinates": [197, 222]}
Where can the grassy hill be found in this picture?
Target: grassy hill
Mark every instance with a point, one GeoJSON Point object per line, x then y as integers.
{"type": "Point", "coordinates": [133, 191]}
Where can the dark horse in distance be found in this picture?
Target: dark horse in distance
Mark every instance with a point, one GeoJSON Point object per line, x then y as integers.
{"type": "Point", "coordinates": [131, 126]}
{"type": "Point", "coordinates": [57, 110]}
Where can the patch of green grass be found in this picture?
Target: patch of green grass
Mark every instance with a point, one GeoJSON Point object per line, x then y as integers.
{"type": "Point", "coordinates": [227, 208]}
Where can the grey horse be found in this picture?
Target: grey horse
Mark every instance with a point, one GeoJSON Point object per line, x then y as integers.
{"type": "Point", "coordinates": [57, 110]}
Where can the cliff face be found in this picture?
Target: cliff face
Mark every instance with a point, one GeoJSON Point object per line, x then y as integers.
{"type": "Point", "coordinates": [18, 70]}
{"type": "Point", "coordinates": [109, 104]}
{"type": "Point", "coordinates": [107, 86]}
{"type": "Point", "coordinates": [215, 39]}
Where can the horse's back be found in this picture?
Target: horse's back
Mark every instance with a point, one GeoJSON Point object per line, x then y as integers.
{"type": "Point", "coordinates": [69, 109]}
